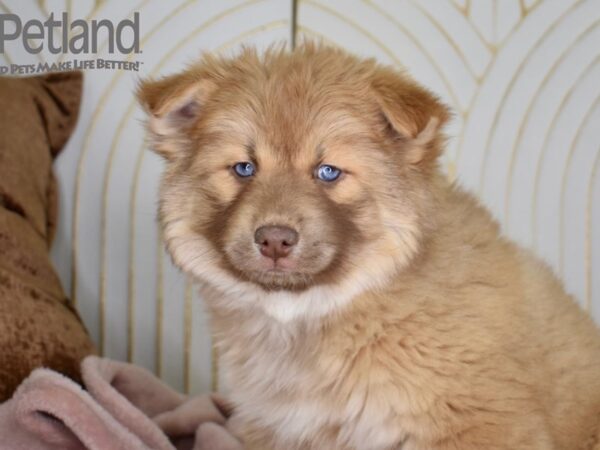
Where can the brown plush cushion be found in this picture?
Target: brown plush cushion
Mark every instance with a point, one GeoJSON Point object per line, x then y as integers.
{"type": "Point", "coordinates": [38, 326]}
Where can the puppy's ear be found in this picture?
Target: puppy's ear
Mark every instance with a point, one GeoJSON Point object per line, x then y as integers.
{"type": "Point", "coordinates": [173, 105]}
{"type": "Point", "coordinates": [414, 115]}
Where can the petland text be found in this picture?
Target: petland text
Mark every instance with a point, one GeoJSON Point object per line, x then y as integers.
{"type": "Point", "coordinates": [76, 37]}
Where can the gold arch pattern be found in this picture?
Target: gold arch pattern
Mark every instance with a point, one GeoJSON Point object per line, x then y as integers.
{"type": "Point", "coordinates": [587, 228]}
{"type": "Point", "coordinates": [519, 70]}
{"type": "Point", "coordinates": [530, 107]}
{"type": "Point", "coordinates": [588, 231]}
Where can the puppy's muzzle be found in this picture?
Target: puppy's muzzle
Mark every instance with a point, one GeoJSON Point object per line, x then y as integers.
{"type": "Point", "coordinates": [275, 241]}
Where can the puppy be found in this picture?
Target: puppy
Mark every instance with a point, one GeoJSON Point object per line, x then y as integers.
{"type": "Point", "coordinates": [358, 299]}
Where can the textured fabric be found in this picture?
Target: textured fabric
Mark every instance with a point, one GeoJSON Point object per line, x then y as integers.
{"type": "Point", "coordinates": [38, 327]}
{"type": "Point", "coordinates": [50, 412]}
{"type": "Point", "coordinates": [36, 119]}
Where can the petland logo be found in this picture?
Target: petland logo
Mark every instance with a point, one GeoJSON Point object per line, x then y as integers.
{"type": "Point", "coordinates": [59, 35]}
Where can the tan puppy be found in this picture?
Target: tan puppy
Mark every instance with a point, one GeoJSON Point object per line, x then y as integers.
{"type": "Point", "coordinates": [358, 299]}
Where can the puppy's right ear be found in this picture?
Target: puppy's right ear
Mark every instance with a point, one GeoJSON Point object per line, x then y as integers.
{"type": "Point", "coordinates": [173, 105]}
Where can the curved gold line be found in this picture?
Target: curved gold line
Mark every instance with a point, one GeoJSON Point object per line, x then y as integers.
{"type": "Point", "coordinates": [369, 35]}
{"type": "Point", "coordinates": [107, 174]}
{"type": "Point", "coordinates": [510, 86]}
{"type": "Point", "coordinates": [572, 149]}
{"type": "Point", "coordinates": [80, 162]}
{"type": "Point", "coordinates": [448, 37]}
{"type": "Point", "coordinates": [187, 334]}
{"type": "Point", "coordinates": [516, 25]}
{"type": "Point", "coordinates": [490, 46]}
{"type": "Point", "coordinates": [535, 5]}
{"type": "Point", "coordinates": [8, 58]}
{"type": "Point", "coordinates": [104, 237]}
{"type": "Point", "coordinates": [536, 187]}
{"type": "Point", "coordinates": [588, 237]}
{"type": "Point", "coordinates": [94, 10]}
{"type": "Point", "coordinates": [307, 31]}
{"type": "Point", "coordinates": [460, 8]}
{"type": "Point", "coordinates": [130, 309]}
{"type": "Point", "coordinates": [523, 126]}
{"type": "Point", "coordinates": [423, 50]}
{"type": "Point", "coordinates": [102, 287]}
{"type": "Point", "coordinates": [160, 303]}
{"type": "Point", "coordinates": [382, 46]}
{"type": "Point", "coordinates": [141, 153]}
{"type": "Point", "coordinates": [489, 69]}
{"type": "Point", "coordinates": [42, 5]}
{"type": "Point", "coordinates": [98, 4]}
{"type": "Point", "coordinates": [494, 46]}
{"type": "Point", "coordinates": [495, 22]}
{"type": "Point", "coordinates": [522, 8]}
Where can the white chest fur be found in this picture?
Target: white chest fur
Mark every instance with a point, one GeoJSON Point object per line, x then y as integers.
{"type": "Point", "coordinates": [301, 399]}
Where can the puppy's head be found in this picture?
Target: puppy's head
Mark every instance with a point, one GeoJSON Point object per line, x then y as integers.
{"type": "Point", "coordinates": [293, 172]}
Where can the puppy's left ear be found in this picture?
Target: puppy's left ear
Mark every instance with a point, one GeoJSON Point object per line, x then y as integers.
{"type": "Point", "coordinates": [414, 114]}
{"type": "Point", "coordinates": [173, 105]}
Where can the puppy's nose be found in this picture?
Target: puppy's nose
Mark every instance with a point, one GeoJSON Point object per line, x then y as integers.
{"type": "Point", "coordinates": [275, 241]}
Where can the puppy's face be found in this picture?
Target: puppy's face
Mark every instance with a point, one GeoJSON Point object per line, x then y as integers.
{"type": "Point", "coordinates": [293, 170]}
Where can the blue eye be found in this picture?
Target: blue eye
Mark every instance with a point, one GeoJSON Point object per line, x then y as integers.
{"type": "Point", "coordinates": [244, 169]}
{"type": "Point", "coordinates": [328, 173]}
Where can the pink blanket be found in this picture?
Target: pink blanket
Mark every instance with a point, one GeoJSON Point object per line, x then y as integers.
{"type": "Point", "coordinates": [124, 407]}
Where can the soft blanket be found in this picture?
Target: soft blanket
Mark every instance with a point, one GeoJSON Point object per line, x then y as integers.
{"type": "Point", "coordinates": [123, 407]}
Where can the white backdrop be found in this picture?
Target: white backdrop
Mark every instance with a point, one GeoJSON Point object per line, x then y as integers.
{"type": "Point", "coordinates": [523, 77]}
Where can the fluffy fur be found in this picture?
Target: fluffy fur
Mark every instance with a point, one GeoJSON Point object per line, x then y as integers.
{"type": "Point", "coordinates": [402, 318]}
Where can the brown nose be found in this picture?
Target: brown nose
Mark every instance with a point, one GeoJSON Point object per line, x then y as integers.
{"type": "Point", "coordinates": [275, 241]}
